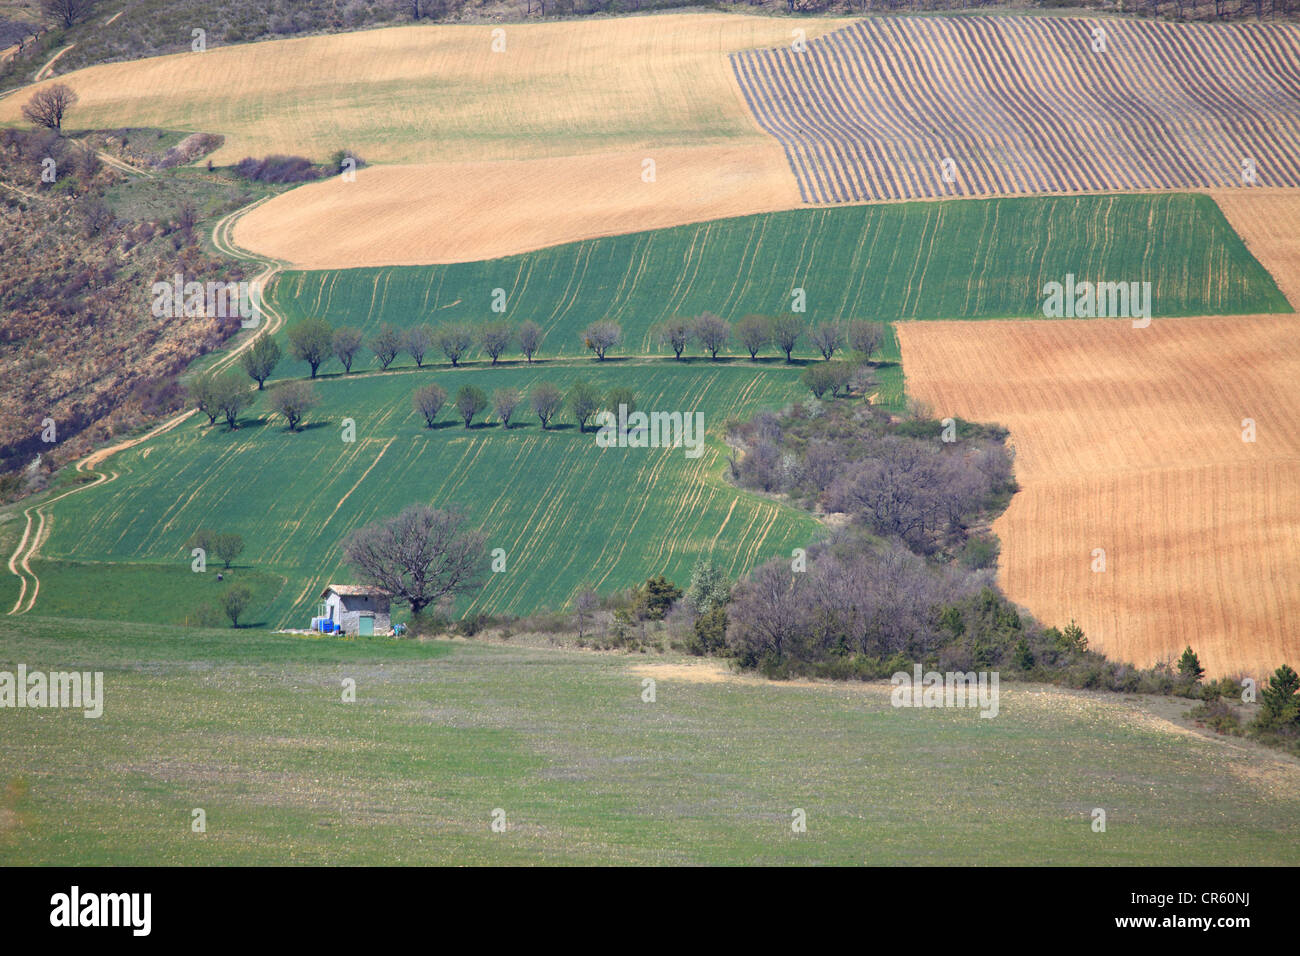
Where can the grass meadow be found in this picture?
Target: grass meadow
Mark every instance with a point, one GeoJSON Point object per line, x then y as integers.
{"type": "Point", "coordinates": [251, 727]}
{"type": "Point", "coordinates": [567, 513]}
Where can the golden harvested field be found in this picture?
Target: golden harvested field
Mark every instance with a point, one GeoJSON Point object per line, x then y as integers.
{"type": "Point", "coordinates": [426, 94]}
{"type": "Point", "coordinates": [1130, 440]}
{"type": "Point", "coordinates": [494, 153]}
{"type": "Point", "coordinates": [463, 212]}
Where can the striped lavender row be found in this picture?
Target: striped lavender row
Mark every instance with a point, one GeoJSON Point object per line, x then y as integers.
{"type": "Point", "coordinates": [1023, 105]}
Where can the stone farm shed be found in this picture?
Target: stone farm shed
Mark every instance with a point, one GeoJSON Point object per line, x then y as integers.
{"type": "Point", "coordinates": [358, 609]}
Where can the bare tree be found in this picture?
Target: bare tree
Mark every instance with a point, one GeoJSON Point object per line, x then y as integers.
{"type": "Point", "coordinates": [386, 344]}
{"type": "Point", "coordinates": [47, 107]}
{"type": "Point", "coordinates": [231, 397]}
{"type": "Point", "coordinates": [429, 401]}
{"type": "Point", "coordinates": [87, 161]}
{"type": "Point", "coordinates": [755, 333]}
{"type": "Point", "coordinates": [786, 331]}
{"type": "Point", "coordinates": [865, 337]}
{"type": "Point", "coordinates": [67, 13]}
{"type": "Point", "coordinates": [764, 615]}
{"type": "Point", "coordinates": [600, 337]}
{"type": "Point", "coordinates": [546, 400]}
{"type": "Point", "coordinates": [530, 339]}
{"type": "Point", "coordinates": [676, 334]}
{"type": "Point", "coordinates": [346, 343]}
{"type": "Point", "coordinates": [455, 339]}
{"type": "Point", "coordinates": [203, 394]}
{"type": "Point", "coordinates": [762, 467]}
{"type": "Point", "coordinates": [712, 332]}
{"type": "Point", "coordinates": [420, 556]}
{"type": "Point", "coordinates": [827, 337]}
{"type": "Point", "coordinates": [293, 400]}
{"type": "Point", "coordinates": [418, 340]}
{"type": "Point", "coordinates": [584, 401]}
{"type": "Point", "coordinates": [495, 337]}
{"type": "Point", "coordinates": [585, 606]}
{"type": "Point", "coordinates": [95, 216]}
{"type": "Point", "coordinates": [470, 400]}
{"type": "Point", "coordinates": [505, 401]}
{"type": "Point", "coordinates": [187, 217]}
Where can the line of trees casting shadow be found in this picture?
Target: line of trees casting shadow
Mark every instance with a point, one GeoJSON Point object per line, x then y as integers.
{"type": "Point", "coordinates": [224, 395]}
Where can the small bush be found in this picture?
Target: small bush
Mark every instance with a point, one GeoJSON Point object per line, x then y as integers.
{"type": "Point", "coordinates": [980, 552]}
{"type": "Point", "coordinates": [1218, 715]}
{"type": "Point", "coordinates": [277, 169]}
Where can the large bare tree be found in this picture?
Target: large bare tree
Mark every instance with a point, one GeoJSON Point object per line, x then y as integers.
{"type": "Point", "coordinates": [293, 400]}
{"type": "Point", "coordinates": [600, 337]}
{"type": "Point", "coordinates": [47, 107]}
{"type": "Point", "coordinates": [67, 13]}
{"type": "Point", "coordinates": [712, 332]}
{"type": "Point", "coordinates": [419, 556]}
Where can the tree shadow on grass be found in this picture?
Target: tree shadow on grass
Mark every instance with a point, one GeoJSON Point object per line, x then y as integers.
{"type": "Point", "coordinates": [245, 424]}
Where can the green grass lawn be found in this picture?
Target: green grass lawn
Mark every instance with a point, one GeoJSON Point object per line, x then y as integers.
{"type": "Point", "coordinates": [567, 513]}
{"type": "Point", "coordinates": [962, 259]}
{"type": "Point", "coordinates": [150, 593]}
{"type": "Point", "coordinates": [251, 728]}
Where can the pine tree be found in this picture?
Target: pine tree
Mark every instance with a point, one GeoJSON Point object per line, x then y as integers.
{"type": "Point", "coordinates": [1278, 702]}
{"type": "Point", "coordinates": [656, 597]}
{"type": "Point", "coordinates": [1023, 657]}
{"type": "Point", "coordinates": [1189, 666]}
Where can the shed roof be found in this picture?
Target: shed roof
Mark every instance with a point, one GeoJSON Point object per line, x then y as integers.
{"type": "Point", "coordinates": [354, 590]}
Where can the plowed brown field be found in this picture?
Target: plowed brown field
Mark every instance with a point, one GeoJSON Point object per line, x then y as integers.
{"type": "Point", "coordinates": [1130, 440]}
{"type": "Point", "coordinates": [1267, 220]}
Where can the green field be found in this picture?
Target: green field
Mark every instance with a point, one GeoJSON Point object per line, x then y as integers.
{"type": "Point", "coordinates": [567, 513]}
{"type": "Point", "coordinates": [251, 728]}
{"type": "Point", "coordinates": [963, 259]}
{"type": "Point", "coordinates": [150, 593]}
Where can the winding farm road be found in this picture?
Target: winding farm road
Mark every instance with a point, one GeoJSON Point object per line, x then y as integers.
{"type": "Point", "coordinates": [38, 518]}
{"type": "Point", "coordinates": [44, 71]}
